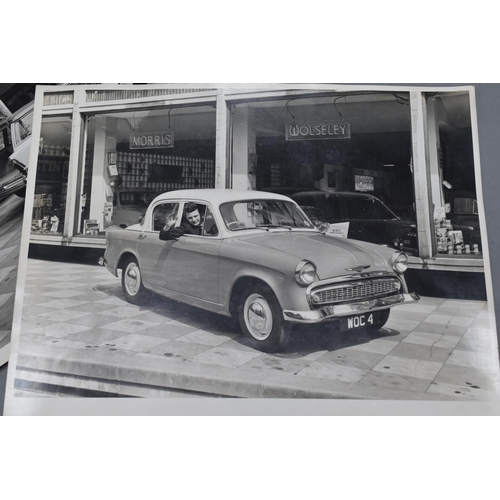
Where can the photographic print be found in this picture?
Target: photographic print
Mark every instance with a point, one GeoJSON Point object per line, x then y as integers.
{"type": "Point", "coordinates": [16, 114]}
{"type": "Point", "coordinates": [218, 242]}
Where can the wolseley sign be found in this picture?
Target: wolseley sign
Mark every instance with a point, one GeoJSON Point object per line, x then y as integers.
{"type": "Point", "coordinates": [151, 140]}
{"type": "Point", "coordinates": [309, 131]}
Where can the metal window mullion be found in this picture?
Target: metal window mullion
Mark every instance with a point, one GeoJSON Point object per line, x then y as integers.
{"type": "Point", "coordinates": [73, 177]}
{"type": "Point", "coordinates": [421, 175]}
{"type": "Point", "coordinates": [221, 142]}
{"type": "Point", "coordinates": [81, 173]}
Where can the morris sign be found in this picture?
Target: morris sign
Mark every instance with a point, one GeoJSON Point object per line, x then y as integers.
{"type": "Point", "coordinates": [151, 140]}
{"type": "Point", "coordinates": [310, 131]}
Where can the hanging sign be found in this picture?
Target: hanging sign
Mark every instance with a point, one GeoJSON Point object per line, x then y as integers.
{"type": "Point", "coordinates": [309, 131]}
{"type": "Point", "coordinates": [151, 140]}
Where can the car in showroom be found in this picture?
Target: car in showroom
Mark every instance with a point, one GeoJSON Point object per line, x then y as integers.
{"type": "Point", "coordinates": [259, 259]}
{"type": "Point", "coordinates": [129, 206]}
{"type": "Point", "coordinates": [14, 181]}
{"type": "Point", "coordinates": [464, 212]}
{"type": "Point", "coordinates": [369, 218]}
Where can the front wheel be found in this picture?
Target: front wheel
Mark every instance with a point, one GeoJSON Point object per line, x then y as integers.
{"type": "Point", "coordinates": [261, 320]}
{"type": "Point", "coordinates": [132, 286]}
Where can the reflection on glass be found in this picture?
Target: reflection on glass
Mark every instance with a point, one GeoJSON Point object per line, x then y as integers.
{"type": "Point", "coordinates": [264, 214]}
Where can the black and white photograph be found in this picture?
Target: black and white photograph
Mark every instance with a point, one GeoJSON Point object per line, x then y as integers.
{"type": "Point", "coordinates": [16, 113]}
{"type": "Point", "coordinates": [263, 241]}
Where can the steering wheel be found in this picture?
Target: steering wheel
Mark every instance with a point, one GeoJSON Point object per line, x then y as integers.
{"type": "Point", "coordinates": [235, 224]}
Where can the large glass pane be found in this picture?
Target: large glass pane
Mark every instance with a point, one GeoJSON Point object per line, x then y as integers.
{"type": "Point", "coordinates": [454, 195]}
{"type": "Point", "coordinates": [52, 175]}
{"type": "Point", "coordinates": [132, 156]}
{"type": "Point", "coordinates": [354, 143]}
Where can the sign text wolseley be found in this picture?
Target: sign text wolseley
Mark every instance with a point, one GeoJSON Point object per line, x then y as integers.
{"type": "Point", "coordinates": [308, 131]}
{"type": "Point", "coordinates": [149, 140]}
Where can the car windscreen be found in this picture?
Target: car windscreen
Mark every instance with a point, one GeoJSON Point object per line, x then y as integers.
{"type": "Point", "coordinates": [251, 214]}
{"type": "Point", "coordinates": [368, 208]}
{"type": "Point", "coordinates": [22, 128]}
{"type": "Point", "coordinates": [330, 207]}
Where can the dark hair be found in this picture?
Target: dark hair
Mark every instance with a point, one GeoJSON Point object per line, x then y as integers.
{"type": "Point", "coordinates": [190, 207]}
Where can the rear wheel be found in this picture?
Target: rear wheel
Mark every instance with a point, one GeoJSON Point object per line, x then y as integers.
{"type": "Point", "coordinates": [261, 319]}
{"type": "Point", "coordinates": [132, 286]}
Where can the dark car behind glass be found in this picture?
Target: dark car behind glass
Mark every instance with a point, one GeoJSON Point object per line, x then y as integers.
{"type": "Point", "coordinates": [369, 219]}
{"type": "Point", "coordinates": [464, 212]}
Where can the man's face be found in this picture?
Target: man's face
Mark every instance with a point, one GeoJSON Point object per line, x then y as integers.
{"type": "Point", "coordinates": [193, 218]}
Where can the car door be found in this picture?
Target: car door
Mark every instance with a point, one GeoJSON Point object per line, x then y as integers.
{"type": "Point", "coordinates": [189, 265]}
{"type": "Point", "coordinates": [152, 251]}
{"type": "Point", "coordinates": [192, 266]}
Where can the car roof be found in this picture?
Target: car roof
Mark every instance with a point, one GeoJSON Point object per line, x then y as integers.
{"type": "Point", "coordinates": [219, 196]}
{"type": "Point", "coordinates": [335, 193]}
{"type": "Point", "coordinates": [22, 111]}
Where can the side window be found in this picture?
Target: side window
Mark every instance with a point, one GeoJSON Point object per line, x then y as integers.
{"type": "Point", "coordinates": [209, 225]}
{"type": "Point", "coordinates": [465, 206]}
{"type": "Point", "coordinates": [163, 213]}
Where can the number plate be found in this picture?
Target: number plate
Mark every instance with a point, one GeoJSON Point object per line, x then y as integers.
{"type": "Point", "coordinates": [358, 321]}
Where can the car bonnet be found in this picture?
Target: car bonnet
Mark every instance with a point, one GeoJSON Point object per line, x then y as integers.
{"type": "Point", "coordinates": [333, 256]}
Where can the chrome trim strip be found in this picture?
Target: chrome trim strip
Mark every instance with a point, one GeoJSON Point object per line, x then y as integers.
{"type": "Point", "coordinates": [329, 313]}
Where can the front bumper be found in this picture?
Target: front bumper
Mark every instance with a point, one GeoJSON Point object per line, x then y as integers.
{"type": "Point", "coordinates": [329, 313]}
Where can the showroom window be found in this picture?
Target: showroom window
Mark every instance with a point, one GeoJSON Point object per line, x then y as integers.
{"type": "Point", "coordinates": [51, 186]}
{"type": "Point", "coordinates": [358, 142]}
{"type": "Point", "coordinates": [132, 156]}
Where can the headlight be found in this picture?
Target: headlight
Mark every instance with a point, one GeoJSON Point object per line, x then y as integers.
{"type": "Point", "coordinates": [305, 273]}
{"type": "Point", "coordinates": [399, 262]}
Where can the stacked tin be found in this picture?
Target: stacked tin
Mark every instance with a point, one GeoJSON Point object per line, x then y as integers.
{"type": "Point", "coordinates": [135, 169]}
{"type": "Point", "coordinates": [450, 241]}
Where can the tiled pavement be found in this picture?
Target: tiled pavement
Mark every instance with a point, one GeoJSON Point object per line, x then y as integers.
{"type": "Point", "coordinates": [11, 212]}
{"type": "Point", "coordinates": [78, 331]}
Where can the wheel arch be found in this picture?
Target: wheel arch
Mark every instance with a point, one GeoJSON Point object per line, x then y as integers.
{"type": "Point", "coordinates": [242, 284]}
{"type": "Point", "coordinates": [124, 257]}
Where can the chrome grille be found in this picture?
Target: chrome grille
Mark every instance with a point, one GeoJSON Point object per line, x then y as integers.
{"type": "Point", "coordinates": [353, 291]}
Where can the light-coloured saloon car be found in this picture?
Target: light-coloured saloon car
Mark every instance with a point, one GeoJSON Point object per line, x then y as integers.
{"type": "Point", "coordinates": [260, 259]}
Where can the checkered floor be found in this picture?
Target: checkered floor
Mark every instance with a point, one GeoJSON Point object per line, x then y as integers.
{"type": "Point", "coordinates": [440, 349]}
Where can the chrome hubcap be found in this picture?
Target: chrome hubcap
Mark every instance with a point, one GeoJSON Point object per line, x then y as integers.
{"type": "Point", "coordinates": [258, 316]}
{"type": "Point", "coordinates": [132, 279]}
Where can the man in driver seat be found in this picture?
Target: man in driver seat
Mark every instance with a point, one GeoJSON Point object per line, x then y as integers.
{"type": "Point", "coordinates": [191, 224]}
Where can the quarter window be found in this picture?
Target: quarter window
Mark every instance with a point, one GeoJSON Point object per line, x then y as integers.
{"type": "Point", "coordinates": [164, 213]}
{"type": "Point", "coordinates": [465, 206]}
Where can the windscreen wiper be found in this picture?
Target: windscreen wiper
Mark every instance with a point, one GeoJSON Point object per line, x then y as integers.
{"type": "Point", "coordinates": [273, 226]}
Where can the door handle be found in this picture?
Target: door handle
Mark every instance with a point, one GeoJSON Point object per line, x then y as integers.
{"type": "Point", "coordinates": [142, 236]}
